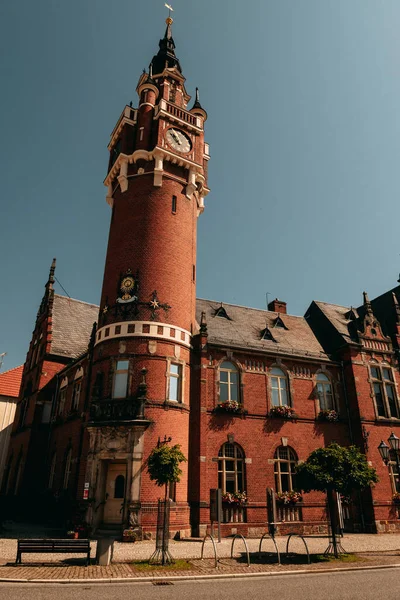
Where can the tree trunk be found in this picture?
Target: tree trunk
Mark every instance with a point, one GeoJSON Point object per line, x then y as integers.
{"type": "Point", "coordinates": [332, 515]}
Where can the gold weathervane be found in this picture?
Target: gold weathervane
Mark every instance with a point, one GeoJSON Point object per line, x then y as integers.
{"type": "Point", "coordinates": [169, 19]}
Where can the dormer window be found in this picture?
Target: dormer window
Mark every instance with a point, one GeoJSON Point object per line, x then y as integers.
{"type": "Point", "coordinates": [267, 335]}
{"type": "Point", "coordinates": [279, 323]}
{"type": "Point", "coordinates": [221, 312]}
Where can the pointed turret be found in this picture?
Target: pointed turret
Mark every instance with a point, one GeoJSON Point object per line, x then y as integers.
{"type": "Point", "coordinates": [48, 294]}
{"type": "Point", "coordinates": [197, 108]}
{"type": "Point", "coordinates": [367, 304]}
{"type": "Point", "coordinates": [166, 58]}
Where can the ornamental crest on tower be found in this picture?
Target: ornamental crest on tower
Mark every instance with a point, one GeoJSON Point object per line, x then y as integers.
{"type": "Point", "coordinates": [128, 288]}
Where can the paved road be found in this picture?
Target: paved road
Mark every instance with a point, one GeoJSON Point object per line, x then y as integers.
{"type": "Point", "coordinates": [351, 585]}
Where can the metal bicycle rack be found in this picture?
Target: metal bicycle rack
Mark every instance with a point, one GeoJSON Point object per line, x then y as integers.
{"type": "Point", "coordinates": [235, 537]}
{"type": "Point", "coordinates": [304, 542]}
{"type": "Point", "coordinates": [265, 535]}
{"type": "Point", "coordinates": [214, 546]}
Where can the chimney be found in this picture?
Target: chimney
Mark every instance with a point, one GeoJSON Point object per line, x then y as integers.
{"type": "Point", "coordinates": [278, 306]}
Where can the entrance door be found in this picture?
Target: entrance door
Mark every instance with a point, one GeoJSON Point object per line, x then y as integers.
{"type": "Point", "coordinates": [115, 493]}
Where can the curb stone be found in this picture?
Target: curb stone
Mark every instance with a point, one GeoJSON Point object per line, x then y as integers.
{"type": "Point", "coordinates": [198, 577]}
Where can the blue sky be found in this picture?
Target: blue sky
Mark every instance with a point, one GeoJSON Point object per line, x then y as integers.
{"type": "Point", "coordinates": [303, 100]}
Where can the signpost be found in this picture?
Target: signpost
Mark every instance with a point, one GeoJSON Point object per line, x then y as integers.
{"type": "Point", "coordinates": [271, 511]}
{"type": "Point", "coordinates": [216, 510]}
{"type": "Point", "coordinates": [86, 492]}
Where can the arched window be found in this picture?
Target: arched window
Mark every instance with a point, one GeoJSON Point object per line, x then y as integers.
{"type": "Point", "coordinates": [324, 391]}
{"type": "Point", "coordinates": [119, 487]}
{"type": "Point", "coordinates": [52, 470]}
{"type": "Point", "coordinates": [285, 466]}
{"type": "Point", "coordinates": [393, 472]}
{"type": "Point", "coordinates": [67, 469]}
{"type": "Point", "coordinates": [279, 388]}
{"type": "Point", "coordinates": [228, 382]}
{"type": "Point", "coordinates": [231, 476]}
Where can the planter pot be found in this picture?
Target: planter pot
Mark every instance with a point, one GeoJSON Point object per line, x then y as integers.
{"type": "Point", "coordinates": [128, 538]}
{"type": "Point", "coordinates": [73, 536]}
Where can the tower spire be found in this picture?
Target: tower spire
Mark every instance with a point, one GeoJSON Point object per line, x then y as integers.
{"type": "Point", "coordinates": [166, 58]}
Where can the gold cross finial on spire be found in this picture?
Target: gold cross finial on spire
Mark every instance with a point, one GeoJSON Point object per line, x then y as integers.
{"type": "Point", "coordinates": [169, 19]}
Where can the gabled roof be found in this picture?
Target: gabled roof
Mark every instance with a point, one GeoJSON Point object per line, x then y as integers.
{"type": "Point", "coordinates": [10, 382]}
{"type": "Point", "coordinates": [72, 325]}
{"type": "Point", "coordinates": [339, 316]}
{"type": "Point", "coordinates": [245, 326]}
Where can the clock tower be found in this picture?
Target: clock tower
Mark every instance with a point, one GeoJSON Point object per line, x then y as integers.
{"type": "Point", "coordinates": [140, 390]}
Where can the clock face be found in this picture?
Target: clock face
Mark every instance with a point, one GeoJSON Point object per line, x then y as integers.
{"type": "Point", "coordinates": [178, 140]}
{"type": "Point", "coordinates": [127, 284]}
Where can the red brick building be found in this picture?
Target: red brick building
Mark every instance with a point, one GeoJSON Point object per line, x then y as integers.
{"type": "Point", "coordinates": [247, 393]}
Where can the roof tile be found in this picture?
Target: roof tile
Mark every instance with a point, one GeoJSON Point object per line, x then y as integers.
{"type": "Point", "coordinates": [245, 326]}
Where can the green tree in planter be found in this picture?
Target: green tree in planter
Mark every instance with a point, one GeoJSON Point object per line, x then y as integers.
{"type": "Point", "coordinates": [163, 465]}
{"type": "Point", "coordinates": [335, 469]}
{"type": "Point", "coordinates": [163, 468]}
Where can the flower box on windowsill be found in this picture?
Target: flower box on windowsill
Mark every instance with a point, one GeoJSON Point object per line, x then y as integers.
{"type": "Point", "coordinates": [282, 412]}
{"type": "Point", "coordinates": [230, 407]}
{"type": "Point", "coordinates": [330, 416]}
{"type": "Point", "coordinates": [288, 497]}
{"type": "Point", "coordinates": [235, 498]}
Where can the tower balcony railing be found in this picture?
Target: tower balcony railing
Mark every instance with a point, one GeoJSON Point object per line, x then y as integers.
{"type": "Point", "coordinates": [181, 114]}
{"type": "Point", "coordinates": [128, 409]}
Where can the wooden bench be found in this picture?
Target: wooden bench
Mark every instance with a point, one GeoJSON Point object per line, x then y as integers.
{"type": "Point", "coordinates": [46, 546]}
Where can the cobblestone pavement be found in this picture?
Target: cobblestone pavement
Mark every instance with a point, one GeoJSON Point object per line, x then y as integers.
{"type": "Point", "coordinates": [237, 566]}
{"type": "Point", "coordinates": [126, 552]}
{"type": "Point", "coordinates": [376, 549]}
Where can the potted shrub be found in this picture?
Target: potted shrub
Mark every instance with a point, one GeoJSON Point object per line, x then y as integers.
{"type": "Point", "coordinates": [282, 412]}
{"type": "Point", "coordinates": [331, 416]}
{"type": "Point", "coordinates": [128, 535]}
{"type": "Point", "coordinates": [230, 407]}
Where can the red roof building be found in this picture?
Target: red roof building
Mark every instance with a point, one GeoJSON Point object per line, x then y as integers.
{"type": "Point", "coordinates": [10, 382]}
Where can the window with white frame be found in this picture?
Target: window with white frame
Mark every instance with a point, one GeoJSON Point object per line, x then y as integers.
{"type": "Point", "coordinates": [393, 472]}
{"type": "Point", "coordinates": [279, 388]}
{"type": "Point", "coordinates": [324, 392]}
{"type": "Point", "coordinates": [285, 468]}
{"type": "Point", "coordinates": [62, 396]}
{"type": "Point", "coordinates": [228, 382]}
{"type": "Point", "coordinates": [231, 469]}
{"type": "Point", "coordinates": [67, 469]}
{"type": "Point", "coordinates": [120, 382]}
{"type": "Point", "coordinates": [76, 393]}
{"type": "Point", "coordinates": [384, 391]}
{"type": "Point", "coordinates": [175, 382]}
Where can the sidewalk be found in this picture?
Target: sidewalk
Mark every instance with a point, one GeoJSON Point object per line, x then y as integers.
{"type": "Point", "coordinates": [371, 551]}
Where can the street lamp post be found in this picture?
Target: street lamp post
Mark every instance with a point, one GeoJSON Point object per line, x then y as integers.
{"type": "Point", "coordinates": [384, 451]}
